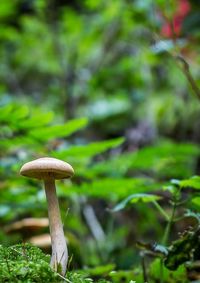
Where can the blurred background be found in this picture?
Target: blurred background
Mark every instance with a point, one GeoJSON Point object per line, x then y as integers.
{"type": "Point", "coordinates": [112, 88]}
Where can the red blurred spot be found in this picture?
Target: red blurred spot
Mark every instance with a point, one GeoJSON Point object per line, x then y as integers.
{"type": "Point", "coordinates": [173, 28]}
{"type": "Point", "coordinates": [183, 8]}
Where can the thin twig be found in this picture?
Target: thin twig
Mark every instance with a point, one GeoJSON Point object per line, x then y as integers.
{"type": "Point", "coordinates": [144, 271]}
{"type": "Point", "coordinates": [186, 70]}
{"type": "Point", "coordinates": [65, 279]}
{"type": "Point", "coordinates": [69, 261]}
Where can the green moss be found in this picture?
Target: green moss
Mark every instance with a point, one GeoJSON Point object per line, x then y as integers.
{"type": "Point", "coordinates": [25, 263]}
{"type": "Point", "coordinates": [22, 252]}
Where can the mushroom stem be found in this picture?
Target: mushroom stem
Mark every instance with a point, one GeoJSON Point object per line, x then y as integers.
{"type": "Point", "coordinates": [59, 256]}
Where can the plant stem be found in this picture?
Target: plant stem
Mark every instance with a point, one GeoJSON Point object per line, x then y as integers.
{"type": "Point", "coordinates": [166, 216]}
{"type": "Point", "coordinates": [145, 278]}
{"type": "Point", "coordinates": [186, 71]}
{"type": "Point", "coordinates": [169, 225]}
{"type": "Point", "coordinates": [166, 234]}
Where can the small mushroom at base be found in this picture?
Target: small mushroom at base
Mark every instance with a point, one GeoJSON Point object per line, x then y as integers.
{"type": "Point", "coordinates": [51, 169]}
{"type": "Point", "coordinates": [41, 241]}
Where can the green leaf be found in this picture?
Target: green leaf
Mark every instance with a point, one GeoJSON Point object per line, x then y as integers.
{"type": "Point", "coordinates": [193, 183]}
{"type": "Point", "coordinates": [110, 188]}
{"type": "Point", "coordinates": [134, 199]}
{"type": "Point", "coordinates": [7, 9]}
{"type": "Point", "coordinates": [101, 270]}
{"type": "Point", "coordinates": [165, 159]}
{"type": "Point", "coordinates": [58, 131]}
{"type": "Point", "coordinates": [89, 150]}
{"type": "Point", "coordinates": [38, 119]}
{"type": "Point", "coordinates": [18, 113]}
{"type": "Point", "coordinates": [13, 113]}
{"type": "Point", "coordinates": [128, 276]}
{"type": "Point", "coordinates": [196, 201]}
{"type": "Point", "coordinates": [111, 106]}
{"type": "Point", "coordinates": [169, 276]}
{"type": "Point", "coordinates": [175, 182]}
{"type": "Point", "coordinates": [5, 112]}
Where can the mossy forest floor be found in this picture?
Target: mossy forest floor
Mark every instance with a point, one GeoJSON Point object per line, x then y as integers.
{"type": "Point", "coordinates": [26, 263]}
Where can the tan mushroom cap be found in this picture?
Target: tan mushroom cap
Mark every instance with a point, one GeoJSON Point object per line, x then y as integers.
{"type": "Point", "coordinates": [47, 168]}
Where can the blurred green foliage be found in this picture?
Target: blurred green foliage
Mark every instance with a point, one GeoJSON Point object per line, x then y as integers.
{"type": "Point", "coordinates": [97, 84]}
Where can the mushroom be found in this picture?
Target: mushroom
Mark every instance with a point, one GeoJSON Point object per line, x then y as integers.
{"type": "Point", "coordinates": [41, 241]}
{"type": "Point", "coordinates": [49, 170]}
{"type": "Point", "coordinates": [27, 224]}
